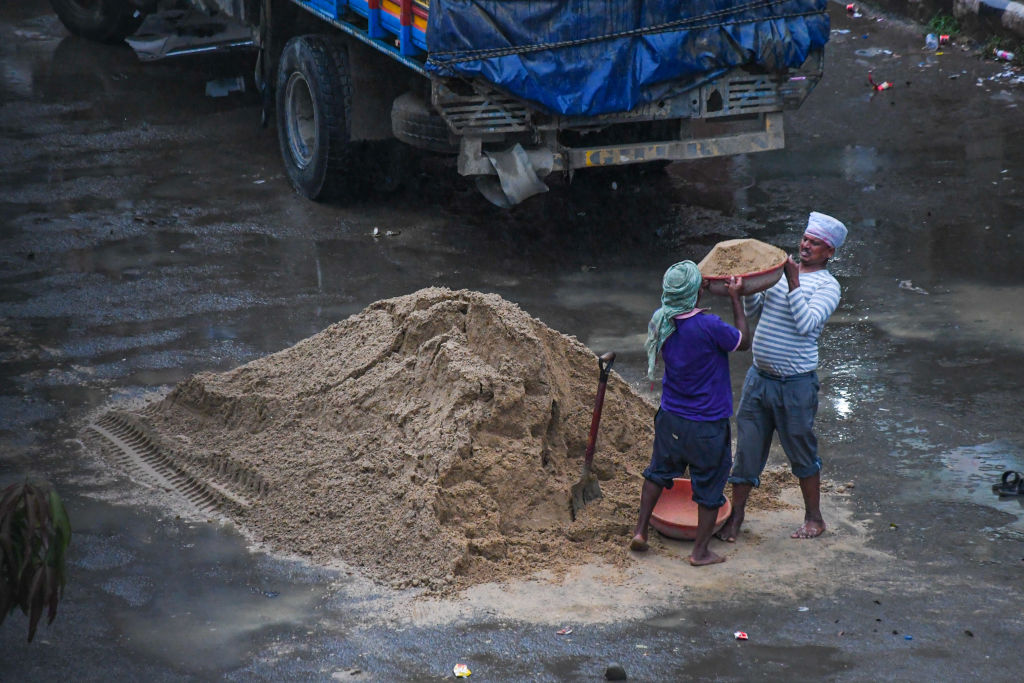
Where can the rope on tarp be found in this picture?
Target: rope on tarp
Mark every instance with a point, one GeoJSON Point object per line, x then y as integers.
{"type": "Point", "coordinates": [441, 57]}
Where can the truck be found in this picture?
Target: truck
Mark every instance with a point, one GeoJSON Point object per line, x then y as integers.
{"type": "Point", "coordinates": [514, 90]}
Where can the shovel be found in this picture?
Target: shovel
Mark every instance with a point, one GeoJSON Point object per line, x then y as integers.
{"type": "Point", "coordinates": [588, 488]}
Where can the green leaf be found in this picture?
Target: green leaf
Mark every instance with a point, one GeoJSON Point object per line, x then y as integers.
{"type": "Point", "coordinates": [61, 523]}
{"type": "Point", "coordinates": [24, 532]}
{"type": "Point", "coordinates": [39, 501]}
{"type": "Point", "coordinates": [51, 593]}
{"type": "Point", "coordinates": [31, 510]}
{"type": "Point", "coordinates": [35, 599]}
{"type": "Point", "coordinates": [35, 533]}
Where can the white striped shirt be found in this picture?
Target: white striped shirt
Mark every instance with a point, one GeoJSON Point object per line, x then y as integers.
{"type": "Point", "coordinates": [786, 338]}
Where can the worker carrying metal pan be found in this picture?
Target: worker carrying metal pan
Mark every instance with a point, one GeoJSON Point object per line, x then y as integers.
{"type": "Point", "coordinates": [691, 428]}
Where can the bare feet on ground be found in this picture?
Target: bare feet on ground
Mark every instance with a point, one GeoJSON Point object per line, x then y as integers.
{"type": "Point", "coordinates": [707, 558]}
{"type": "Point", "coordinates": [809, 529]}
{"type": "Point", "coordinates": [639, 543]}
{"type": "Point", "coordinates": [730, 531]}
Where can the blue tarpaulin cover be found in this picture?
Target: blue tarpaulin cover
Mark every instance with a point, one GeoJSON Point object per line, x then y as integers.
{"type": "Point", "coordinates": [588, 57]}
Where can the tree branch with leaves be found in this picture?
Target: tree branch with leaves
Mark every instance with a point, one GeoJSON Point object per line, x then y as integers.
{"type": "Point", "coordinates": [34, 536]}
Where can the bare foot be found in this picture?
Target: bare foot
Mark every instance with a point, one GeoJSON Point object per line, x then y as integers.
{"type": "Point", "coordinates": [730, 531]}
{"type": "Point", "coordinates": [809, 530]}
{"type": "Point", "coordinates": [707, 558]}
{"type": "Point", "coordinates": [639, 544]}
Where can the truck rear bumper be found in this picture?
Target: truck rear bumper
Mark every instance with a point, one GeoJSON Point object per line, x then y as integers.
{"type": "Point", "coordinates": [545, 159]}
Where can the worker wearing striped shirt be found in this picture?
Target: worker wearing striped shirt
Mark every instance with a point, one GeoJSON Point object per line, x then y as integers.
{"type": "Point", "coordinates": [780, 392]}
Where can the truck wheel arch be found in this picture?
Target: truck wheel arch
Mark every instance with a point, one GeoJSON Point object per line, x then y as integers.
{"type": "Point", "coordinates": [313, 105]}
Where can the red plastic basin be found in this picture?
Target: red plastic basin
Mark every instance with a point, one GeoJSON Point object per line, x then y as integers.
{"type": "Point", "coordinates": [675, 515]}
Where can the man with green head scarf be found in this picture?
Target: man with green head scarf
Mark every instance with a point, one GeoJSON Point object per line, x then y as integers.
{"type": "Point", "coordinates": [691, 429]}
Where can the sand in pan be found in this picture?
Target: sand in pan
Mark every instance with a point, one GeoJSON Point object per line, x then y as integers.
{"type": "Point", "coordinates": [431, 440]}
{"type": "Point", "coordinates": [740, 257]}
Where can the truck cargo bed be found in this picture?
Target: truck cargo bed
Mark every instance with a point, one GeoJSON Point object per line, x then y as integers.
{"type": "Point", "coordinates": [591, 57]}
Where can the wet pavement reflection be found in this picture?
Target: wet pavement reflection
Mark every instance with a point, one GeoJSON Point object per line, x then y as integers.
{"type": "Point", "coordinates": [147, 232]}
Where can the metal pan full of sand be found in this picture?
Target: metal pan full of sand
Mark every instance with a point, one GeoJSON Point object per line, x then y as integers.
{"type": "Point", "coordinates": [759, 263]}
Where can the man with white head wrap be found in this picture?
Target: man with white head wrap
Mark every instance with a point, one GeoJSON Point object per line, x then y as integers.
{"type": "Point", "coordinates": [691, 429]}
{"type": "Point", "coordinates": [780, 391]}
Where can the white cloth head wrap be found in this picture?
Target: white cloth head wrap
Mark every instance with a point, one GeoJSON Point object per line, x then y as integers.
{"type": "Point", "coordinates": [826, 228]}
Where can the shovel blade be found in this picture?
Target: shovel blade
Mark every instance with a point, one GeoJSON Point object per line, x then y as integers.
{"type": "Point", "coordinates": [587, 489]}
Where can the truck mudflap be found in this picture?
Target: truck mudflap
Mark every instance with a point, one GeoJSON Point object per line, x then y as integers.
{"type": "Point", "coordinates": [517, 175]}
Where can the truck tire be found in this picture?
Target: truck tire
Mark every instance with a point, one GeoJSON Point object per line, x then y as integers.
{"type": "Point", "coordinates": [105, 21]}
{"type": "Point", "coordinates": [414, 123]}
{"type": "Point", "coordinates": [314, 100]}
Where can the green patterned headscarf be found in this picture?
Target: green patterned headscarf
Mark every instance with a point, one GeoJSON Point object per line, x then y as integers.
{"type": "Point", "coordinates": [679, 289]}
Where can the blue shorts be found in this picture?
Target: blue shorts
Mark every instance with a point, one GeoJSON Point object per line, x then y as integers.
{"type": "Point", "coordinates": [703, 447]}
{"type": "Point", "coordinates": [786, 405]}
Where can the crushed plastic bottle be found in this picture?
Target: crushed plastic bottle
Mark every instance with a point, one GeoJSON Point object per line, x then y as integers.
{"type": "Point", "coordinates": [931, 42]}
{"type": "Point", "coordinates": [1005, 54]}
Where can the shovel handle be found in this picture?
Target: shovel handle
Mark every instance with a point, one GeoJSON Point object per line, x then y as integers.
{"type": "Point", "coordinates": [604, 364]}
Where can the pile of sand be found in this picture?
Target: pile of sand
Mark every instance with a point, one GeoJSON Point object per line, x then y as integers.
{"type": "Point", "coordinates": [740, 257]}
{"type": "Point", "coordinates": [430, 440]}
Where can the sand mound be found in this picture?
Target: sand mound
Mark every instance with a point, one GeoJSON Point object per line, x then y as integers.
{"type": "Point", "coordinates": [430, 440]}
{"type": "Point", "coordinates": [739, 257]}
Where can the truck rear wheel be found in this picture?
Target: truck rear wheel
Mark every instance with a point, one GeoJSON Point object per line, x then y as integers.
{"type": "Point", "coordinates": [314, 100]}
{"type": "Point", "coordinates": [105, 21]}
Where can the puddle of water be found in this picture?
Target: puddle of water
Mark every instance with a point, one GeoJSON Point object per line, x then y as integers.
{"type": "Point", "coordinates": [99, 552]}
{"type": "Point", "coordinates": [969, 472]}
{"type": "Point", "coordinates": [972, 314]}
{"type": "Point", "coordinates": [214, 625]}
{"type": "Point", "coordinates": [841, 403]}
{"type": "Point", "coordinates": [979, 466]}
{"type": "Point", "coordinates": [960, 474]}
{"type": "Point", "coordinates": [135, 590]}
{"type": "Point", "coordinates": [872, 52]}
{"type": "Point", "coordinates": [212, 597]}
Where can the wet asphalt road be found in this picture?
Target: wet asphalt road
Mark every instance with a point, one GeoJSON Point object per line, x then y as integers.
{"type": "Point", "coordinates": [147, 233]}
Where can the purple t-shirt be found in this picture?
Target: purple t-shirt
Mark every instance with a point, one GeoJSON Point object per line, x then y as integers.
{"type": "Point", "coordinates": [696, 384]}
